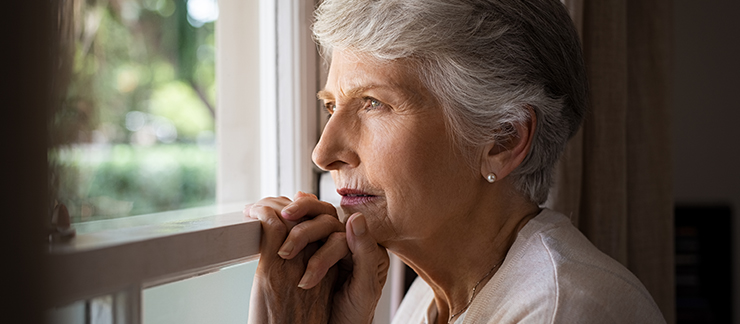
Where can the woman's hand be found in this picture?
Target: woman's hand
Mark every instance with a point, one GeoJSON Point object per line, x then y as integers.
{"type": "Point", "coordinates": [276, 297]}
{"type": "Point", "coordinates": [363, 264]}
{"type": "Point", "coordinates": [366, 268]}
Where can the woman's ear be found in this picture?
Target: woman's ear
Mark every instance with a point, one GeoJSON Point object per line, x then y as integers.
{"type": "Point", "coordinates": [503, 157]}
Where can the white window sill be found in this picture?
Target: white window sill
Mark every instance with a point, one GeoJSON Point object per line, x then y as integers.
{"type": "Point", "coordinates": [144, 251]}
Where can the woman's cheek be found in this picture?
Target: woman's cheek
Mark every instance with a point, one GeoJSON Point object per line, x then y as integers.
{"type": "Point", "coordinates": [381, 224]}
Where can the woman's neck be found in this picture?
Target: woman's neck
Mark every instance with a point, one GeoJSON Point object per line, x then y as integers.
{"type": "Point", "coordinates": [461, 254]}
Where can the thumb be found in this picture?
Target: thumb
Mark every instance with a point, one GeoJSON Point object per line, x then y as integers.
{"type": "Point", "coordinates": [370, 261]}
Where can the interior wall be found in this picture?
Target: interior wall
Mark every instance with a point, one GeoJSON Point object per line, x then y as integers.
{"type": "Point", "coordinates": [27, 82]}
{"type": "Point", "coordinates": [706, 153]}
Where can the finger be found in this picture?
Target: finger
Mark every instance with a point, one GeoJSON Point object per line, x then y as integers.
{"type": "Point", "coordinates": [307, 206]}
{"type": "Point", "coordinates": [274, 230]}
{"type": "Point", "coordinates": [301, 194]}
{"type": "Point", "coordinates": [277, 203]}
{"type": "Point", "coordinates": [309, 231]}
{"type": "Point", "coordinates": [321, 261]}
{"type": "Point", "coordinates": [246, 210]}
{"type": "Point", "coordinates": [370, 260]}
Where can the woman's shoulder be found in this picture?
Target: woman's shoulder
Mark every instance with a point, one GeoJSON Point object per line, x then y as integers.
{"type": "Point", "coordinates": [554, 274]}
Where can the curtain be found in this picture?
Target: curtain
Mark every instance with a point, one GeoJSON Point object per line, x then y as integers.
{"type": "Point", "coordinates": [614, 179]}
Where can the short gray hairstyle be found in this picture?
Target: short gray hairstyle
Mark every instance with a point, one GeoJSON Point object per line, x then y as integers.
{"type": "Point", "coordinates": [485, 61]}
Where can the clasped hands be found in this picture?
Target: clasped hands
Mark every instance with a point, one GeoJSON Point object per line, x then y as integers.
{"type": "Point", "coordinates": [312, 267]}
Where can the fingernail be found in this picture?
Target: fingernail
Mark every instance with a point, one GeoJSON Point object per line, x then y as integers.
{"type": "Point", "coordinates": [286, 249]}
{"type": "Point", "coordinates": [288, 211]}
{"type": "Point", "coordinates": [304, 281]}
{"type": "Point", "coordinates": [358, 225]}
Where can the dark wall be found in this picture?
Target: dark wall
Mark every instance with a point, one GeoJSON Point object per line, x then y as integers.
{"type": "Point", "coordinates": [706, 118]}
{"type": "Point", "coordinates": [26, 95]}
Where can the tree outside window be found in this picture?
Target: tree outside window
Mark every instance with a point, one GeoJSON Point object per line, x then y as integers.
{"type": "Point", "coordinates": [135, 131]}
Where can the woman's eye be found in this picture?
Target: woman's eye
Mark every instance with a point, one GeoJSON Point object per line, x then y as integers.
{"type": "Point", "coordinates": [373, 104]}
{"type": "Point", "coordinates": [330, 108]}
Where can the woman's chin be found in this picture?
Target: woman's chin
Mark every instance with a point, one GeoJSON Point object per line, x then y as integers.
{"type": "Point", "coordinates": [370, 206]}
{"type": "Point", "coordinates": [375, 213]}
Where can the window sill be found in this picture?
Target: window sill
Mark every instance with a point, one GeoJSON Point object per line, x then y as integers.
{"type": "Point", "coordinates": [144, 251]}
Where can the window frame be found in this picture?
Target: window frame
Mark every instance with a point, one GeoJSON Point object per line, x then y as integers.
{"type": "Point", "coordinates": [130, 259]}
{"type": "Point", "coordinates": [121, 257]}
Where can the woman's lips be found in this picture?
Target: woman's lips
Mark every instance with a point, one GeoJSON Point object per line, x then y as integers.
{"type": "Point", "coordinates": [353, 197]}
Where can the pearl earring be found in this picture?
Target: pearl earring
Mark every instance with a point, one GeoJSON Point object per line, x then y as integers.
{"type": "Point", "coordinates": [491, 177]}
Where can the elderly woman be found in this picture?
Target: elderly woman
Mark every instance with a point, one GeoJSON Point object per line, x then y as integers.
{"type": "Point", "coordinates": [447, 118]}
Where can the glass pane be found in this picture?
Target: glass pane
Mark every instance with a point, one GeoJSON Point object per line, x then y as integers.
{"type": "Point", "coordinates": [101, 310]}
{"type": "Point", "coordinates": [98, 310]}
{"type": "Point", "coordinates": [135, 131]}
{"type": "Point", "coordinates": [219, 297]}
{"type": "Point", "coordinates": [70, 314]}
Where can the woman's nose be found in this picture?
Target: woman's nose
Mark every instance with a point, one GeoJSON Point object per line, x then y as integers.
{"type": "Point", "coordinates": [335, 148]}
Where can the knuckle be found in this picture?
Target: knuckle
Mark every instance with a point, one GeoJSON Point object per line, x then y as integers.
{"type": "Point", "coordinates": [265, 200]}
{"type": "Point", "coordinates": [330, 209]}
{"type": "Point", "coordinates": [337, 236]}
{"type": "Point", "coordinates": [367, 247]}
{"type": "Point", "coordinates": [275, 224]}
{"type": "Point", "coordinates": [307, 195]}
{"type": "Point", "coordinates": [304, 202]}
{"type": "Point", "coordinates": [299, 232]}
{"type": "Point", "coordinates": [338, 242]}
{"type": "Point", "coordinates": [304, 199]}
{"type": "Point", "coordinates": [317, 262]}
{"type": "Point", "coordinates": [322, 220]}
{"type": "Point", "coordinates": [331, 222]}
{"type": "Point", "coordinates": [256, 209]}
{"type": "Point", "coordinates": [317, 204]}
{"type": "Point", "coordinates": [272, 199]}
{"type": "Point", "coordinates": [299, 228]}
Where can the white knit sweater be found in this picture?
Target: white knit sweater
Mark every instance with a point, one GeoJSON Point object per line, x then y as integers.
{"type": "Point", "coordinates": [552, 274]}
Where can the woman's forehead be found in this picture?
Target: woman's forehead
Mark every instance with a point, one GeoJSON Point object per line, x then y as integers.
{"type": "Point", "coordinates": [352, 74]}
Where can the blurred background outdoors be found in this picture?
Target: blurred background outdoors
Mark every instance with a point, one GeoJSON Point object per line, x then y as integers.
{"type": "Point", "coordinates": [135, 131]}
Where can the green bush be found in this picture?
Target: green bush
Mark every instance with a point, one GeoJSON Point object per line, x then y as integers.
{"type": "Point", "coordinates": [122, 180]}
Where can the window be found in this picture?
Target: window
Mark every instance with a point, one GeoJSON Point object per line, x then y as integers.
{"type": "Point", "coordinates": [121, 270]}
{"type": "Point", "coordinates": [132, 269]}
{"type": "Point", "coordinates": [163, 268]}
{"type": "Point", "coordinates": [135, 131]}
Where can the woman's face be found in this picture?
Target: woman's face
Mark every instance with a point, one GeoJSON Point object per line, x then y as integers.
{"type": "Point", "coordinates": [389, 151]}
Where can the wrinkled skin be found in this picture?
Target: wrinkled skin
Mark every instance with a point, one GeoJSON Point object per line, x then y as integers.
{"type": "Point", "coordinates": [328, 276]}
{"type": "Point", "coordinates": [276, 297]}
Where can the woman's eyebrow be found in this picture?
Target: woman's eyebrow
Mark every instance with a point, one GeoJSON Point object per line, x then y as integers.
{"type": "Point", "coordinates": [324, 95]}
{"type": "Point", "coordinates": [354, 92]}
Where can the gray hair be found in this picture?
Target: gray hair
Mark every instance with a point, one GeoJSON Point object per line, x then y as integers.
{"type": "Point", "coordinates": [485, 61]}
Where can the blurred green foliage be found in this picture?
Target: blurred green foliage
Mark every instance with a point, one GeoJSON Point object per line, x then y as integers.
{"type": "Point", "coordinates": [172, 100]}
{"type": "Point", "coordinates": [134, 131]}
{"type": "Point", "coordinates": [123, 180]}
